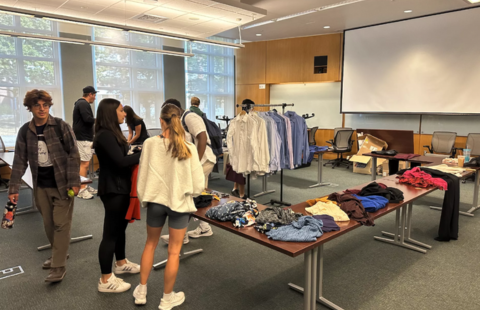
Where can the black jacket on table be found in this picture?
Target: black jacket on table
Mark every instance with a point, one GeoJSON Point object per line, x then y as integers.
{"type": "Point", "coordinates": [115, 164]}
{"type": "Point", "coordinates": [83, 120]}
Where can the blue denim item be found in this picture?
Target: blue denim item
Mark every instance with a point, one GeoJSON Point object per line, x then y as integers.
{"type": "Point", "coordinates": [299, 138]}
{"type": "Point", "coordinates": [372, 203]}
{"type": "Point", "coordinates": [306, 229]}
{"type": "Point", "coordinates": [315, 148]}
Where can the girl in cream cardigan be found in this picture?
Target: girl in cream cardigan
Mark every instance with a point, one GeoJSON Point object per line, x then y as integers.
{"type": "Point", "coordinates": [169, 176]}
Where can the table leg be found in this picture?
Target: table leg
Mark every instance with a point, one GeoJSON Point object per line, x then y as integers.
{"type": "Point", "coordinates": [318, 278]}
{"type": "Point", "coordinates": [183, 255]}
{"type": "Point", "coordinates": [399, 238]}
{"type": "Point", "coordinates": [374, 168]}
{"type": "Point", "coordinates": [264, 188]}
{"type": "Point", "coordinates": [320, 173]}
{"type": "Point", "coordinates": [475, 205]}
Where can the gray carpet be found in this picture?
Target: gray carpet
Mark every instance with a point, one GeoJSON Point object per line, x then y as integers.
{"type": "Point", "coordinates": [234, 273]}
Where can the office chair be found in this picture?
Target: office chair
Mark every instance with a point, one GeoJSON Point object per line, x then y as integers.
{"type": "Point", "coordinates": [342, 143]}
{"type": "Point", "coordinates": [3, 149]}
{"type": "Point", "coordinates": [311, 136]}
{"type": "Point", "coordinates": [442, 142]}
{"type": "Point", "coordinates": [473, 143]}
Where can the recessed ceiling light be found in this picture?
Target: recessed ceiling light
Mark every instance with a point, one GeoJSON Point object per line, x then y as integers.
{"type": "Point", "coordinates": [327, 27]}
{"type": "Point", "coordinates": [408, 11]}
{"type": "Point", "coordinates": [259, 34]}
{"type": "Point", "coordinates": [473, 1]}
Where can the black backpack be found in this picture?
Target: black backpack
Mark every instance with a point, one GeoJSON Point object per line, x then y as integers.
{"type": "Point", "coordinates": [213, 131]}
{"type": "Point", "coordinates": [58, 131]}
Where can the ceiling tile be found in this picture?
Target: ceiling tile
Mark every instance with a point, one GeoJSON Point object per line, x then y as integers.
{"type": "Point", "coordinates": [81, 6]}
{"type": "Point", "coordinates": [187, 6]}
{"type": "Point", "coordinates": [117, 14]}
{"type": "Point", "coordinates": [152, 2]}
{"type": "Point", "coordinates": [34, 6]}
{"type": "Point", "coordinates": [8, 2]}
{"type": "Point", "coordinates": [165, 12]}
{"type": "Point", "coordinates": [172, 23]}
{"type": "Point", "coordinates": [132, 6]}
{"type": "Point", "coordinates": [216, 23]}
{"type": "Point", "coordinates": [72, 13]}
{"type": "Point", "coordinates": [192, 19]}
{"type": "Point", "coordinates": [52, 3]}
{"type": "Point", "coordinates": [105, 3]}
{"type": "Point", "coordinates": [212, 12]}
{"type": "Point", "coordinates": [237, 19]}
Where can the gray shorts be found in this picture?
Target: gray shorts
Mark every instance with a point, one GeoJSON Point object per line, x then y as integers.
{"type": "Point", "coordinates": [157, 214]}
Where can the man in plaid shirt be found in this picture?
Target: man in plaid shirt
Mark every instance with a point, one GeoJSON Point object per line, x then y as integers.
{"type": "Point", "coordinates": [54, 162]}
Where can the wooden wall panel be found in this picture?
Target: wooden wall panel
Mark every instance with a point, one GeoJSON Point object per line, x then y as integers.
{"type": "Point", "coordinates": [250, 63]}
{"type": "Point", "coordinates": [285, 61]}
{"type": "Point", "coordinates": [259, 96]}
{"type": "Point", "coordinates": [323, 135]}
{"type": "Point", "coordinates": [326, 45]}
{"type": "Point", "coordinates": [5, 172]}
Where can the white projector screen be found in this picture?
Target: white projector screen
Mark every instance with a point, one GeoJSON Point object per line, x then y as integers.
{"type": "Point", "coordinates": [427, 65]}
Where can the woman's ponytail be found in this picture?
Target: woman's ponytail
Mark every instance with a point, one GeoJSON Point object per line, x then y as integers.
{"type": "Point", "coordinates": [171, 116]}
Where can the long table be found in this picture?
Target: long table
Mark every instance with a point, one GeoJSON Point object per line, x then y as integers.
{"type": "Point", "coordinates": [430, 160]}
{"type": "Point", "coordinates": [313, 251]}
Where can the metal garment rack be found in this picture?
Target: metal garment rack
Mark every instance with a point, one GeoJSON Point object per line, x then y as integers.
{"type": "Point", "coordinates": [306, 116]}
{"type": "Point", "coordinates": [225, 119]}
{"type": "Point", "coordinates": [272, 202]}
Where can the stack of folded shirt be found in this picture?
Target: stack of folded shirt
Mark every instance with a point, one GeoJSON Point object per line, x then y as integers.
{"type": "Point", "coordinates": [321, 208]}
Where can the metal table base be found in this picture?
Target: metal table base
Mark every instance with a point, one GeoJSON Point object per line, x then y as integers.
{"type": "Point", "coordinates": [265, 191]}
{"type": "Point", "coordinates": [29, 209]}
{"type": "Point", "coordinates": [72, 240]}
{"type": "Point", "coordinates": [183, 255]}
{"type": "Point", "coordinates": [313, 293]}
{"type": "Point", "coordinates": [403, 232]}
{"type": "Point", "coordinates": [320, 173]}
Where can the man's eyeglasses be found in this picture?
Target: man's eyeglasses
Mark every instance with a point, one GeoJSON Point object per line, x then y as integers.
{"type": "Point", "coordinates": [38, 105]}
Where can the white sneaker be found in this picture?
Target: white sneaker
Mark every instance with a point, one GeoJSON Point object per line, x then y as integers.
{"type": "Point", "coordinates": [197, 233]}
{"type": "Point", "coordinates": [113, 285]}
{"type": "Point", "coordinates": [176, 300]}
{"type": "Point", "coordinates": [84, 194]}
{"type": "Point", "coordinates": [166, 238]}
{"type": "Point", "coordinates": [129, 267]}
{"type": "Point", "coordinates": [91, 190]}
{"type": "Point", "coordinates": [140, 294]}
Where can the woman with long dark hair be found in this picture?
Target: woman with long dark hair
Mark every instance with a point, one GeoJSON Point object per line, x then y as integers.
{"type": "Point", "coordinates": [170, 175]}
{"type": "Point", "coordinates": [114, 187]}
{"type": "Point", "coordinates": [135, 124]}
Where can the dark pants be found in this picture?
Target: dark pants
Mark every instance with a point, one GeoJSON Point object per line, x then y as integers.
{"type": "Point", "coordinates": [57, 221]}
{"type": "Point", "coordinates": [114, 226]}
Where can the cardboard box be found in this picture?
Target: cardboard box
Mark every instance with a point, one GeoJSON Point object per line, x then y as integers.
{"type": "Point", "coordinates": [385, 169]}
{"type": "Point", "coordinates": [363, 164]}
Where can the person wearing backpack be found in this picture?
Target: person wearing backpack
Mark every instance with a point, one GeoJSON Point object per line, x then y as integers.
{"type": "Point", "coordinates": [48, 145]}
{"type": "Point", "coordinates": [196, 132]}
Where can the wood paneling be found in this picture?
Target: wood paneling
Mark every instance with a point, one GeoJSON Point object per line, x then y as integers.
{"type": "Point", "coordinates": [253, 92]}
{"type": "Point", "coordinates": [250, 63]}
{"type": "Point", "coordinates": [326, 45]}
{"type": "Point", "coordinates": [285, 60]}
{"type": "Point", "coordinates": [292, 60]}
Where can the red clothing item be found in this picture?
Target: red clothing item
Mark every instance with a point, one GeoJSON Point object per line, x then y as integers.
{"type": "Point", "coordinates": [133, 212]}
{"type": "Point", "coordinates": [418, 178]}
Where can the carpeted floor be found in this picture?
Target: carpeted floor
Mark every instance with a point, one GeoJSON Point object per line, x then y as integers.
{"type": "Point", "coordinates": [234, 273]}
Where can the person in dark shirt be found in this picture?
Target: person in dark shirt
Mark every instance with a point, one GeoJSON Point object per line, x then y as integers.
{"type": "Point", "coordinates": [83, 122]}
{"type": "Point", "coordinates": [48, 146]}
{"type": "Point", "coordinates": [114, 186]}
{"type": "Point", "coordinates": [135, 124]}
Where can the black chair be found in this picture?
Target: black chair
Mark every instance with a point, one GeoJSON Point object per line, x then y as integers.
{"type": "Point", "coordinates": [342, 143]}
{"type": "Point", "coordinates": [311, 136]}
{"type": "Point", "coordinates": [443, 142]}
{"type": "Point", "coordinates": [3, 149]}
{"type": "Point", "coordinates": [473, 144]}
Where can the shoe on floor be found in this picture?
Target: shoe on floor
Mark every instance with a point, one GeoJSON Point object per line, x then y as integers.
{"type": "Point", "coordinates": [56, 274]}
{"type": "Point", "coordinates": [91, 190]}
{"type": "Point", "coordinates": [199, 232]}
{"type": "Point", "coordinates": [244, 197]}
{"type": "Point", "coordinates": [166, 238]}
{"type": "Point", "coordinates": [140, 294]}
{"type": "Point", "coordinates": [175, 300]}
{"type": "Point", "coordinates": [84, 194]}
{"type": "Point", "coordinates": [129, 267]}
{"type": "Point", "coordinates": [48, 263]}
{"type": "Point", "coordinates": [113, 285]}
{"type": "Point", "coordinates": [236, 193]}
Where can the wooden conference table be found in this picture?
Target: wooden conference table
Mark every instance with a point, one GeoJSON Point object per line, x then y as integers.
{"type": "Point", "coordinates": [430, 160]}
{"type": "Point", "coordinates": [313, 251]}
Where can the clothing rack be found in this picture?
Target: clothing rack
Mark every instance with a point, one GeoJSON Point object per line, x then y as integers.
{"type": "Point", "coordinates": [306, 116]}
{"type": "Point", "coordinates": [272, 202]}
{"type": "Point", "coordinates": [224, 118]}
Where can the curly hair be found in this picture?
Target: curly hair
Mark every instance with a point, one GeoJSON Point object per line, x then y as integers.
{"type": "Point", "coordinates": [32, 97]}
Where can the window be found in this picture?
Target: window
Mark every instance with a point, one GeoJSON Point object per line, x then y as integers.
{"type": "Point", "coordinates": [133, 77]}
{"type": "Point", "coordinates": [210, 77]}
{"type": "Point", "coordinates": [26, 64]}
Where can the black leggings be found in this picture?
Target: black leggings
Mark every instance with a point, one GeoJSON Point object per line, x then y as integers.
{"type": "Point", "coordinates": [114, 226]}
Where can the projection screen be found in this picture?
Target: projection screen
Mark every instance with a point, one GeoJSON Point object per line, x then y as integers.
{"type": "Point", "coordinates": [426, 65]}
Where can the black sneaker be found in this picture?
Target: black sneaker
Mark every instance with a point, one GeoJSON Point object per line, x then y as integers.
{"type": "Point", "coordinates": [236, 193]}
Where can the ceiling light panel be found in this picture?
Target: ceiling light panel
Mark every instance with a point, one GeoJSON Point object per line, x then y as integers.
{"type": "Point", "coordinates": [187, 6]}
{"type": "Point", "coordinates": [295, 15]}
{"type": "Point", "coordinates": [83, 7]}
{"type": "Point", "coordinates": [163, 11]}
{"type": "Point", "coordinates": [132, 6]}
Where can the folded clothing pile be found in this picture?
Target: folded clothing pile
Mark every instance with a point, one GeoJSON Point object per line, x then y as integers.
{"type": "Point", "coordinates": [306, 229]}
{"type": "Point", "coordinates": [418, 178]}
{"type": "Point", "coordinates": [372, 203]}
{"type": "Point", "coordinates": [322, 208]}
{"type": "Point", "coordinates": [275, 217]}
{"type": "Point", "coordinates": [353, 207]}
{"type": "Point", "coordinates": [379, 189]}
{"type": "Point", "coordinates": [230, 211]}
